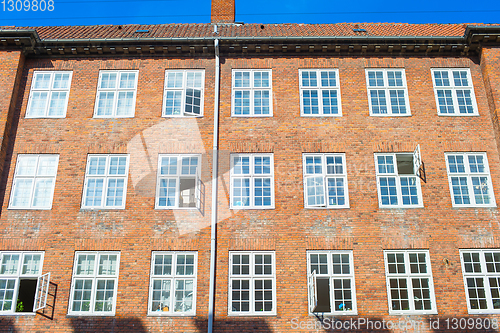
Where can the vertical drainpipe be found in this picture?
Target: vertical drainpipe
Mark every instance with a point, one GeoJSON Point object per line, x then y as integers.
{"type": "Point", "coordinates": [215, 153]}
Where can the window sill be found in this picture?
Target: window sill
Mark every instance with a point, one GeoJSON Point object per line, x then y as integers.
{"type": "Point", "coordinates": [458, 115]}
{"type": "Point", "coordinates": [176, 208]}
{"type": "Point", "coordinates": [28, 208]}
{"type": "Point", "coordinates": [390, 115]}
{"type": "Point", "coordinates": [170, 314]}
{"type": "Point", "coordinates": [182, 116]}
{"type": "Point", "coordinates": [321, 115]}
{"type": "Point", "coordinates": [400, 207]}
{"type": "Point", "coordinates": [413, 313]}
{"type": "Point", "coordinates": [335, 314]}
{"type": "Point", "coordinates": [121, 117]}
{"type": "Point", "coordinates": [18, 314]}
{"type": "Point", "coordinates": [90, 315]}
{"type": "Point", "coordinates": [331, 207]}
{"type": "Point", "coordinates": [474, 206]}
{"type": "Point", "coordinates": [251, 116]}
{"type": "Point", "coordinates": [252, 208]}
{"type": "Point", "coordinates": [251, 314]}
{"type": "Point", "coordinates": [45, 117]}
{"type": "Point", "coordinates": [90, 209]}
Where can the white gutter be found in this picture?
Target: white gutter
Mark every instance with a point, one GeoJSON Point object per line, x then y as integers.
{"type": "Point", "coordinates": [215, 155]}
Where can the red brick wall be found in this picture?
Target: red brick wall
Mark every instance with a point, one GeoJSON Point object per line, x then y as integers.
{"type": "Point", "coordinates": [223, 11]}
{"type": "Point", "coordinates": [289, 229]}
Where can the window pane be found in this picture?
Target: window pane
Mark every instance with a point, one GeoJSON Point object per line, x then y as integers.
{"type": "Point", "coordinates": [10, 264]}
{"type": "Point", "coordinates": [107, 264]}
{"type": "Point", "coordinates": [85, 264]}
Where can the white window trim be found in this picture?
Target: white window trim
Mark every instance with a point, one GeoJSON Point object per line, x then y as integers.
{"type": "Point", "coordinates": [173, 277]}
{"type": "Point", "coordinates": [184, 88]}
{"type": "Point", "coordinates": [116, 90]}
{"type": "Point", "coordinates": [331, 276]}
{"type": "Point", "coordinates": [325, 176]}
{"type": "Point", "coordinates": [387, 88]}
{"type": "Point", "coordinates": [31, 207]}
{"type": "Point", "coordinates": [94, 278]}
{"type": "Point", "coordinates": [105, 185]}
{"type": "Point", "coordinates": [468, 174]}
{"type": "Point", "coordinates": [319, 88]}
{"type": "Point", "coordinates": [178, 177]}
{"type": "Point", "coordinates": [251, 89]}
{"type": "Point", "coordinates": [49, 91]}
{"type": "Point", "coordinates": [398, 183]}
{"type": "Point", "coordinates": [453, 88]}
{"type": "Point", "coordinates": [408, 276]}
{"type": "Point", "coordinates": [18, 277]}
{"type": "Point", "coordinates": [251, 277]}
{"type": "Point", "coordinates": [484, 275]}
{"type": "Point", "coordinates": [252, 175]}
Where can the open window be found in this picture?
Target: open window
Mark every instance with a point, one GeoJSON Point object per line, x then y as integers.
{"type": "Point", "coordinates": [23, 287]}
{"type": "Point", "coordinates": [331, 283]}
{"type": "Point", "coordinates": [398, 179]}
{"type": "Point", "coordinates": [179, 184]}
{"type": "Point", "coordinates": [325, 181]}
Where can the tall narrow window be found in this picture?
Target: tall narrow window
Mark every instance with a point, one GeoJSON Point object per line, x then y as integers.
{"type": "Point", "coordinates": [172, 287]}
{"type": "Point", "coordinates": [49, 94]}
{"type": "Point", "coordinates": [454, 92]}
{"type": "Point", "coordinates": [470, 180]}
{"type": "Point", "coordinates": [252, 94]}
{"type": "Point", "coordinates": [94, 283]}
{"type": "Point", "coordinates": [116, 93]}
{"type": "Point", "coordinates": [409, 282]}
{"type": "Point", "coordinates": [320, 92]}
{"type": "Point", "coordinates": [105, 181]}
{"type": "Point", "coordinates": [481, 272]}
{"type": "Point", "coordinates": [331, 282]}
{"type": "Point", "coordinates": [398, 185]}
{"type": "Point", "coordinates": [252, 181]}
{"type": "Point", "coordinates": [325, 181]}
{"type": "Point", "coordinates": [34, 181]}
{"type": "Point", "coordinates": [178, 183]}
{"type": "Point", "coordinates": [252, 283]}
{"type": "Point", "coordinates": [387, 92]}
{"type": "Point", "coordinates": [183, 94]}
{"type": "Point", "coordinates": [21, 286]}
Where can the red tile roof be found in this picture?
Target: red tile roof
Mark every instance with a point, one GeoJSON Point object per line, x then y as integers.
{"type": "Point", "coordinates": [250, 30]}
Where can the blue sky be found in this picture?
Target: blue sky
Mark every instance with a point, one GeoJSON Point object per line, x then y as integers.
{"type": "Point", "coordinates": [88, 12]}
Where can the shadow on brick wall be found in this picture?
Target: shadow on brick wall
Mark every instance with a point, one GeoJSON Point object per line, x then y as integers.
{"type": "Point", "coordinates": [233, 324]}
{"type": "Point", "coordinates": [7, 325]}
{"type": "Point", "coordinates": [107, 324]}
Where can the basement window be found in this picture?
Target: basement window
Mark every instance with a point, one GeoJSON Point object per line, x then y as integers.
{"type": "Point", "coordinates": [331, 282]}
{"type": "Point", "coordinates": [23, 288]}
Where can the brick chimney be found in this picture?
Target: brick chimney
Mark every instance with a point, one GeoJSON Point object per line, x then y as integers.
{"type": "Point", "coordinates": [223, 11]}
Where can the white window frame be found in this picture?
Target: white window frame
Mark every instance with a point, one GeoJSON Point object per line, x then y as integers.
{"type": "Point", "coordinates": [469, 175]}
{"type": "Point", "coordinates": [18, 276]}
{"type": "Point", "coordinates": [50, 90]}
{"type": "Point", "coordinates": [35, 178]}
{"type": "Point", "coordinates": [252, 89]}
{"type": "Point", "coordinates": [320, 89]}
{"type": "Point", "coordinates": [173, 278]}
{"type": "Point", "coordinates": [106, 177]}
{"type": "Point", "coordinates": [117, 90]}
{"type": "Point", "coordinates": [397, 176]}
{"type": "Point", "coordinates": [94, 278]}
{"type": "Point", "coordinates": [177, 177]}
{"type": "Point", "coordinates": [454, 88]}
{"type": "Point", "coordinates": [325, 176]}
{"type": "Point", "coordinates": [408, 276]}
{"type": "Point", "coordinates": [252, 175]}
{"type": "Point", "coordinates": [387, 89]}
{"type": "Point", "coordinates": [252, 277]}
{"type": "Point", "coordinates": [314, 275]}
{"type": "Point", "coordinates": [482, 275]}
{"type": "Point", "coordinates": [183, 90]}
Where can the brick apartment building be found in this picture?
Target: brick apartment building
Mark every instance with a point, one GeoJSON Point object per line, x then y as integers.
{"type": "Point", "coordinates": [357, 177]}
